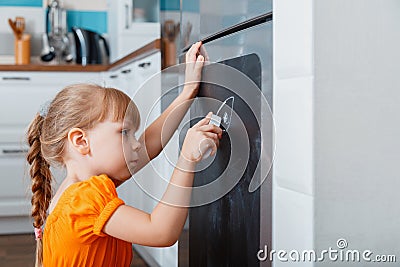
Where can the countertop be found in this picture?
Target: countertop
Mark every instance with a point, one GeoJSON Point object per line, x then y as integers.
{"type": "Point", "coordinates": [138, 54]}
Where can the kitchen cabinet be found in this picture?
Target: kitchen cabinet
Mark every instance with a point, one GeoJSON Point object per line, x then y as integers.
{"type": "Point", "coordinates": [130, 77]}
{"type": "Point", "coordinates": [131, 24]}
{"type": "Point", "coordinates": [21, 95]}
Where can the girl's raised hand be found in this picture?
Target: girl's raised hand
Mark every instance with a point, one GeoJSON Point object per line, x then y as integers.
{"type": "Point", "coordinates": [194, 65]}
{"type": "Point", "coordinates": [201, 137]}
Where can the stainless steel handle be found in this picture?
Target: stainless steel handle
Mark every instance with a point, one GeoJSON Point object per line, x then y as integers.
{"type": "Point", "coordinates": [16, 78]}
{"type": "Point", "coordinates": [14, 151]}
{"type": "Point", "coordinates": [126, 71]}
{"type": "Point", "coordinates": [144, 65]}
{"type": "Point", "coordinates": [126, 16]}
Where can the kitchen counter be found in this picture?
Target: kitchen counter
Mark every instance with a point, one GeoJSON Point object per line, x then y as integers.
{"type": "Point", "coordinates": [138, 54]}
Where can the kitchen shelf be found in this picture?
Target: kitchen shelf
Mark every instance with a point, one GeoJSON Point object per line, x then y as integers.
{"type": "Point", "coordinates": [138, 54]}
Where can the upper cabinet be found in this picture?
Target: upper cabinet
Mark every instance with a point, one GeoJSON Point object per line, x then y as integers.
{"type": "Point", "coordinates": [143, 10]}
{"type": "Point", "coordinates": [131, 25]}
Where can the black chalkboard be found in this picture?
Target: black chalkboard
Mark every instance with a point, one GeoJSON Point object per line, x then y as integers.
{"type": "Point", "coordinates": [226, 232]}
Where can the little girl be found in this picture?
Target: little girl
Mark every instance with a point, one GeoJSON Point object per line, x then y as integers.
{"type": "Point", "coordinates": [90, 131]}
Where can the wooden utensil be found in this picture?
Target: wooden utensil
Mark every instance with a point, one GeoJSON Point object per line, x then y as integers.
{"type": "Point", "coordinates": [171, 30]}
{"type": "Point", "coordinates": [13, 27]}
{"type": "Point", "coordinates": [20, 25]}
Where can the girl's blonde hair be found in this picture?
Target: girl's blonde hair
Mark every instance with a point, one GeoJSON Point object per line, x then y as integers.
{"type": "Point", "coordinates": [81, 106]}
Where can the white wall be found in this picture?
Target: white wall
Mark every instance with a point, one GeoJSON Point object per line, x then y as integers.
{"type": "Point", "coordinates": [357, 145]}
{"type": "Point", "coordinates": [336, 111]}
{"type": "Point", "coordinates": [89, 5]}
{"type": "Point", "coordinates": [293, 184]}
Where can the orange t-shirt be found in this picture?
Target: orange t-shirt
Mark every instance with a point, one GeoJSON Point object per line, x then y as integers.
{"type": "Point", "coordinates": [73, 232]}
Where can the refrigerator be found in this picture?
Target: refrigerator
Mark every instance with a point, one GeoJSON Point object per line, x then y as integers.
{"type": "Point", "coordinates": [335, 104]}
{"type": "Point", "coordinates": [230, 218]}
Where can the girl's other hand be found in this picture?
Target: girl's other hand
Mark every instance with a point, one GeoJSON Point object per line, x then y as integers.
{"type": "Point", "coordinates": [194, 65]}
{"type": "Point", "coordinates": [201, 137]}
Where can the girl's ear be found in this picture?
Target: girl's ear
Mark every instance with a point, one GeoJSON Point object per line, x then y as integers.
{"type": "Point", "coordinates": [79, 141]}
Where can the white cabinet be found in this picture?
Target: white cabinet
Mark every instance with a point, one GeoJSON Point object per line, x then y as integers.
{"type": "Point", "coordinates": [129, 78]}
{"type": "Point", "coordinates": [21, 95]}
{"type": "Point", "coordinates": [112, 79]}
{"type": "Point", "coordinates": [131, 25]}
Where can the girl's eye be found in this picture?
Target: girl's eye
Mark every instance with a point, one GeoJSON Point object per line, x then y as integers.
{"type": "Point", "coordinates": [125, 132]}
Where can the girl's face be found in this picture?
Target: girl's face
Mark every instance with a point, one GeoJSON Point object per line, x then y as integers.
{"type": "Point", "coordinates": [114, 149]}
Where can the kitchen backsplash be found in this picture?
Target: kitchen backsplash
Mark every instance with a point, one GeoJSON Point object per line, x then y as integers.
{"type": "Point", "coordinates": [90, 14]}
{"type": "Point", "coordinates": [35, 3]}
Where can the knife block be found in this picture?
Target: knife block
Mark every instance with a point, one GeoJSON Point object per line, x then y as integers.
{"type": "Point", "coordinates": [23, 49]}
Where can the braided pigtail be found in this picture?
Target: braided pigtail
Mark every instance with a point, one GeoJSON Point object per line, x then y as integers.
{"type": "Point", "coordinates": [41, 183]}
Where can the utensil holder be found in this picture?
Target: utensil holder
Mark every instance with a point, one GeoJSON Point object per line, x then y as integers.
{"type": "Point", "coordinates": [23, 49]}
{"type": "Point", "coordinates": [169, 53]}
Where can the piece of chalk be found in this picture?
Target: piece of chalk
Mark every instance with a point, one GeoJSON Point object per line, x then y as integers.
{"type": "Point", "coordinates": [215, 120]}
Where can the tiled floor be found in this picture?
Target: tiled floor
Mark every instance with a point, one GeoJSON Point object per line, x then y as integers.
{"type": "Point", "coordinates": [19, 251]}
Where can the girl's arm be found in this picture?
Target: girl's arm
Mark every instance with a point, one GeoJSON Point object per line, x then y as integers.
{"type": "Point", "coordinates": [157, 135]}
{"type": "Point", "coordinates": [163, 226]}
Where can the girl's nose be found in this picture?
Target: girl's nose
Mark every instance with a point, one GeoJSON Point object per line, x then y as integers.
{"type": "Point", "coordinates": [136, 145]}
